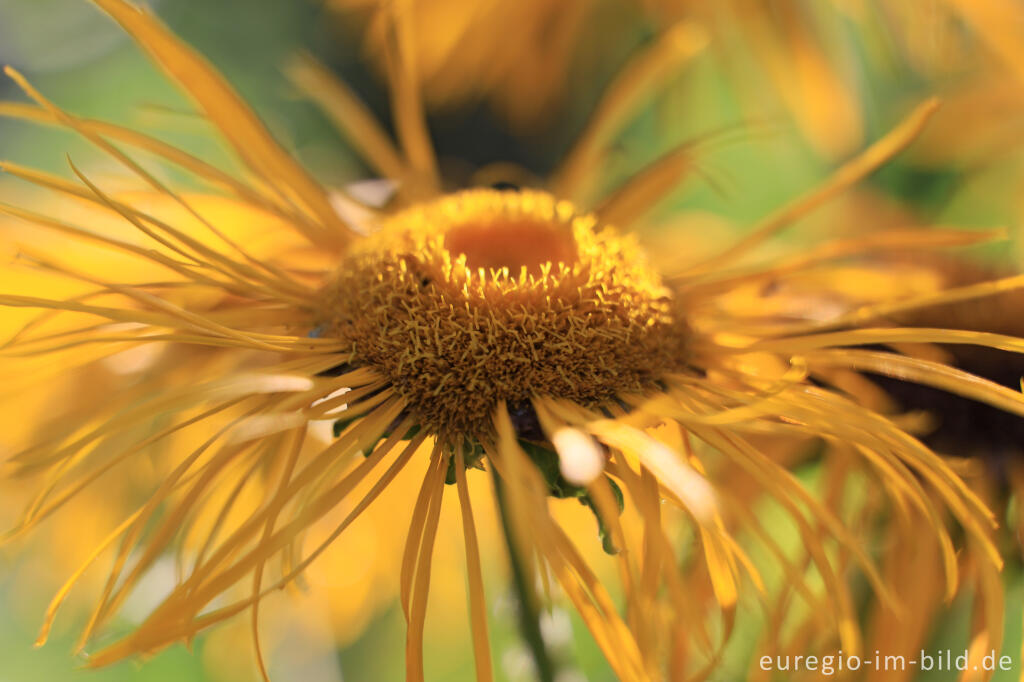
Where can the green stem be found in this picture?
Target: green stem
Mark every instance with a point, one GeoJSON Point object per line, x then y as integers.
{"type": "Point", "coordinates": [529, 615]}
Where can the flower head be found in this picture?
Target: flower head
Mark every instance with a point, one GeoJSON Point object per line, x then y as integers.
{"type": "Point", "coordinates": [504, 330]}
{"type": "Point", "coordinates": [487, 297]}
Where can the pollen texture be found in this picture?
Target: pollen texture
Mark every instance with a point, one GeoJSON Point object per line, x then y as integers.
{"type": "Point", "coordinates": [486, 296]}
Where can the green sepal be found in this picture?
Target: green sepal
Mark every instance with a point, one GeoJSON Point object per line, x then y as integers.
{"type": "Point", "coordinates": [607, 543]}
{"type": "Point", "coordinates": [473, 454]}
{"type": "Point", "coordinates": [342, 424]}
{"type": "Point", "coordinates": [546, 460]}
{"type": "Point", "coordinates": [449, 477]}
{"type": "Point", "coordinates": [620, 499]}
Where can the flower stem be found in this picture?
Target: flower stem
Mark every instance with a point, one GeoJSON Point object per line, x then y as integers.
{"type": "Point", "coordinates": [529, 616]}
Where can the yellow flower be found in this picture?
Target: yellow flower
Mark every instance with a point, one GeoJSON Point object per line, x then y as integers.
{"type": "Point", "coordinates": [512, 331]}
{"type": "Point", "coordinates": [808, 52]}
{"type": "Point", "coordinates": [459, 58]}
{"type": "Point", "coordinates": [814, 54]}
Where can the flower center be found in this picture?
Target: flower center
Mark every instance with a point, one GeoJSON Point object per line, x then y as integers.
{"type": "Point", "coordinates": [511, 243]}
{"type": "Point", "coordinates": [486, 296]}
